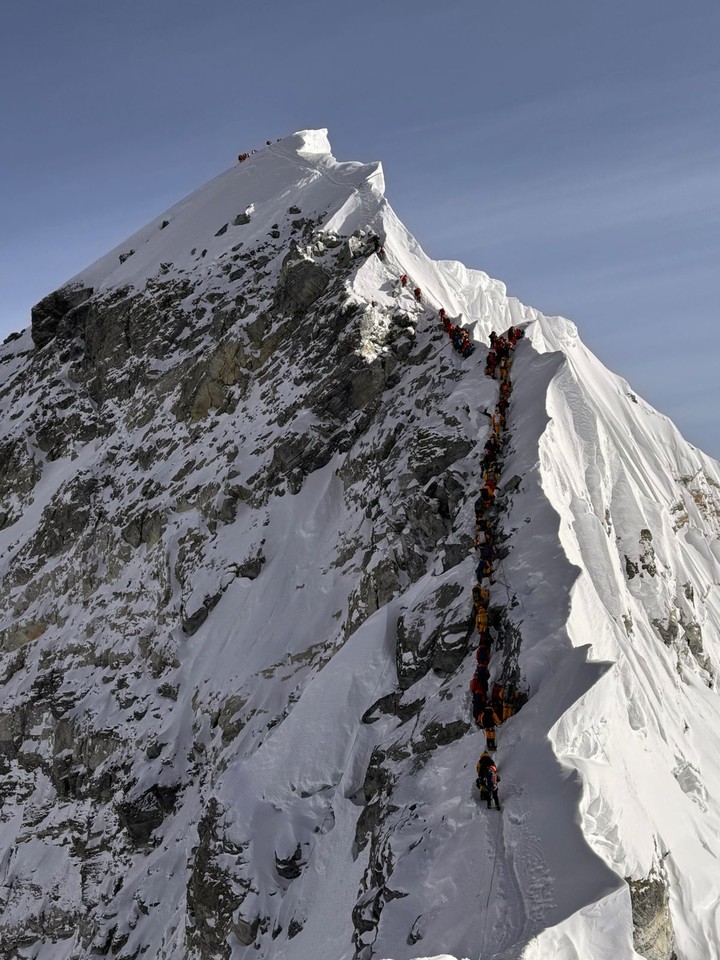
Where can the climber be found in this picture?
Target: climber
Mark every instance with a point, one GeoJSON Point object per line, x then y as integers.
{"type": "Point", "coordinates": [483, 531]}
{"type": "Point", "coordinates": [487, 780]}
{"type": "Point", "coordinates": [497, 422]}
{"type": "Point", "coordinates": [492, 447]}
{"type": "Point", "coordinates": [489, 482]}
{"type": "Point", "coordinates": [381, 253]}
{"type": "Point", "coordinates": [487, 552]}
{"type": "Point", "coordinates": [480, 595]}
{"type": "Point", "coordinates": [482, 654]}
{"type": "Point", "coordinates": [490, 364]}
{"type": "Point", "coordinates": [417, 293]}
{"type": "Point", "coordinates": [487, 494]}
{"type": "Point", "coordinates": [498, 698]}
{"type": "Point", "coordinates": [441, 313]}
{"type": "Point", "coordinates": [488, 721]}
{"type": "Point", "coordinates": [508, 707]}
{"type": "Point", "coordinates": [483, 524]}
{"type": "Point", "coordinates": [375, 240]}
{"type": "Point", "coordinates": [481, 571]}
{"type": "Point", "coordinates": [479, 702]}
{"type": "Point", "coordinates": [481, 620]}
{"type": "Point", "coordinates": [404, 280]}
{"type": "Point", "coordinates": [242, 157]}
{"type": "Point", "coordinates": [480, 678]}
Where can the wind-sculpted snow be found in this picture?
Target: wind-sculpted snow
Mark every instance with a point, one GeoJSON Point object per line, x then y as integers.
{"type": "Point", "coordinates": [239, 461]}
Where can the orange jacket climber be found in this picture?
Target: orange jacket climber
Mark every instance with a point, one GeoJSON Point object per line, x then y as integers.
{"type": "Point", "coordinates": [488, 721]}
{"type": "Point", "coordinates": [480, 595]}
{"type": "Point", "coordinates": [417, 293]}
{"type": "Point", "coordinates": [497, 698]}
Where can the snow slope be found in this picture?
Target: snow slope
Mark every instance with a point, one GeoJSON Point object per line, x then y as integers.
{"type": "Point", "coordinates": [236, 631]}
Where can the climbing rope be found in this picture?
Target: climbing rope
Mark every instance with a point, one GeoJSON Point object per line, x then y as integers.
{"type": "Point", "coordinates": [492, 881]}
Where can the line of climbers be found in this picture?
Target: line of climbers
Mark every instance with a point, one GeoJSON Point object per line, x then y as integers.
{"type": "Point", "coordinates": [459, 337]}
{"type": "Point", "coordinates": [490, 710]}
{"type": "Point", "coordinates": [242, 157]}
{"type": "Point", "coordinates": [379, 248]}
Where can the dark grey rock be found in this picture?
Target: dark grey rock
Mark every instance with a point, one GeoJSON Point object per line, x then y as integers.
{"type": "Point", "coordinates": [290, 868]}
{"type": "Point", "coordinates": [47, 315]}
{"type": "Point", "coordinates": [300, 283]}
{"type": "Point", "coordinates": [143, 815]}
{"type": "Point", "coordinates": [653, 934]}
{"type": "Point", "coordinates": [213, 893]}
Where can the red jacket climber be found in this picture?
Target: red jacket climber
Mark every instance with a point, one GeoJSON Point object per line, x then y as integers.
{"type": "Point", "coordinates": [403, 279]}
{"type": "Point", "coordinates": [417, 293]}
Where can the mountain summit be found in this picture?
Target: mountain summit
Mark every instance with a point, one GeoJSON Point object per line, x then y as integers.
{"type": "Point", "coordinates": [255, 547]}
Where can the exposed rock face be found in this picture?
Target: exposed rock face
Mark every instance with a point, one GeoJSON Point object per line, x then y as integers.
{"type": "Point", "coordinates": [59, 313]}
{"type": "Point", "coordinates": [653, 933]}
{"type": "Point", "coordinates": [301, 282]}
{"type": "Point", "coordinates": [436, 634]}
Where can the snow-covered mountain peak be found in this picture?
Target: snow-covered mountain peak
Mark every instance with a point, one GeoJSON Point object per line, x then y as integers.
{"type": "Point", "coordinates": [256, 544]}
{"type": "Point", "coordinates": [243, 205]}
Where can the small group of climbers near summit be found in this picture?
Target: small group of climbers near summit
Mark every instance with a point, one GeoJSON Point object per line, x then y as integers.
{"type": "Point", "coordinates": [490, 711]}
{"type": "Point", "coordinates": [242, 157]}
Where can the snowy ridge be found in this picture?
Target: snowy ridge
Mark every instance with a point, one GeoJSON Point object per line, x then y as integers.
{"type": "Point", "coordinates": [237, 627]}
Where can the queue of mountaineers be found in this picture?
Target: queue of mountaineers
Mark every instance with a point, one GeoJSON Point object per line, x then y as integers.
{"type": "Point", "coordinates": [491, 705]}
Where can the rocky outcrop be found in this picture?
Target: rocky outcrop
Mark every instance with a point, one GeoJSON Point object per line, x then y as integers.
{"type": "Point", "coordinates": [59, 313]}
{"type": "Point", "coordinates": [434, 635]}
{"type": "Point", "coordinates": [653, 934]}
{"type": "Point", "coordinates": [214, 895]}
{"type": "Point", "coordinates": [301, 282]}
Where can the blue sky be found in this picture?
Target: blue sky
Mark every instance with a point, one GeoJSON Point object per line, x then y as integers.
{"type": "Point", "coordinates": [568, 148]}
